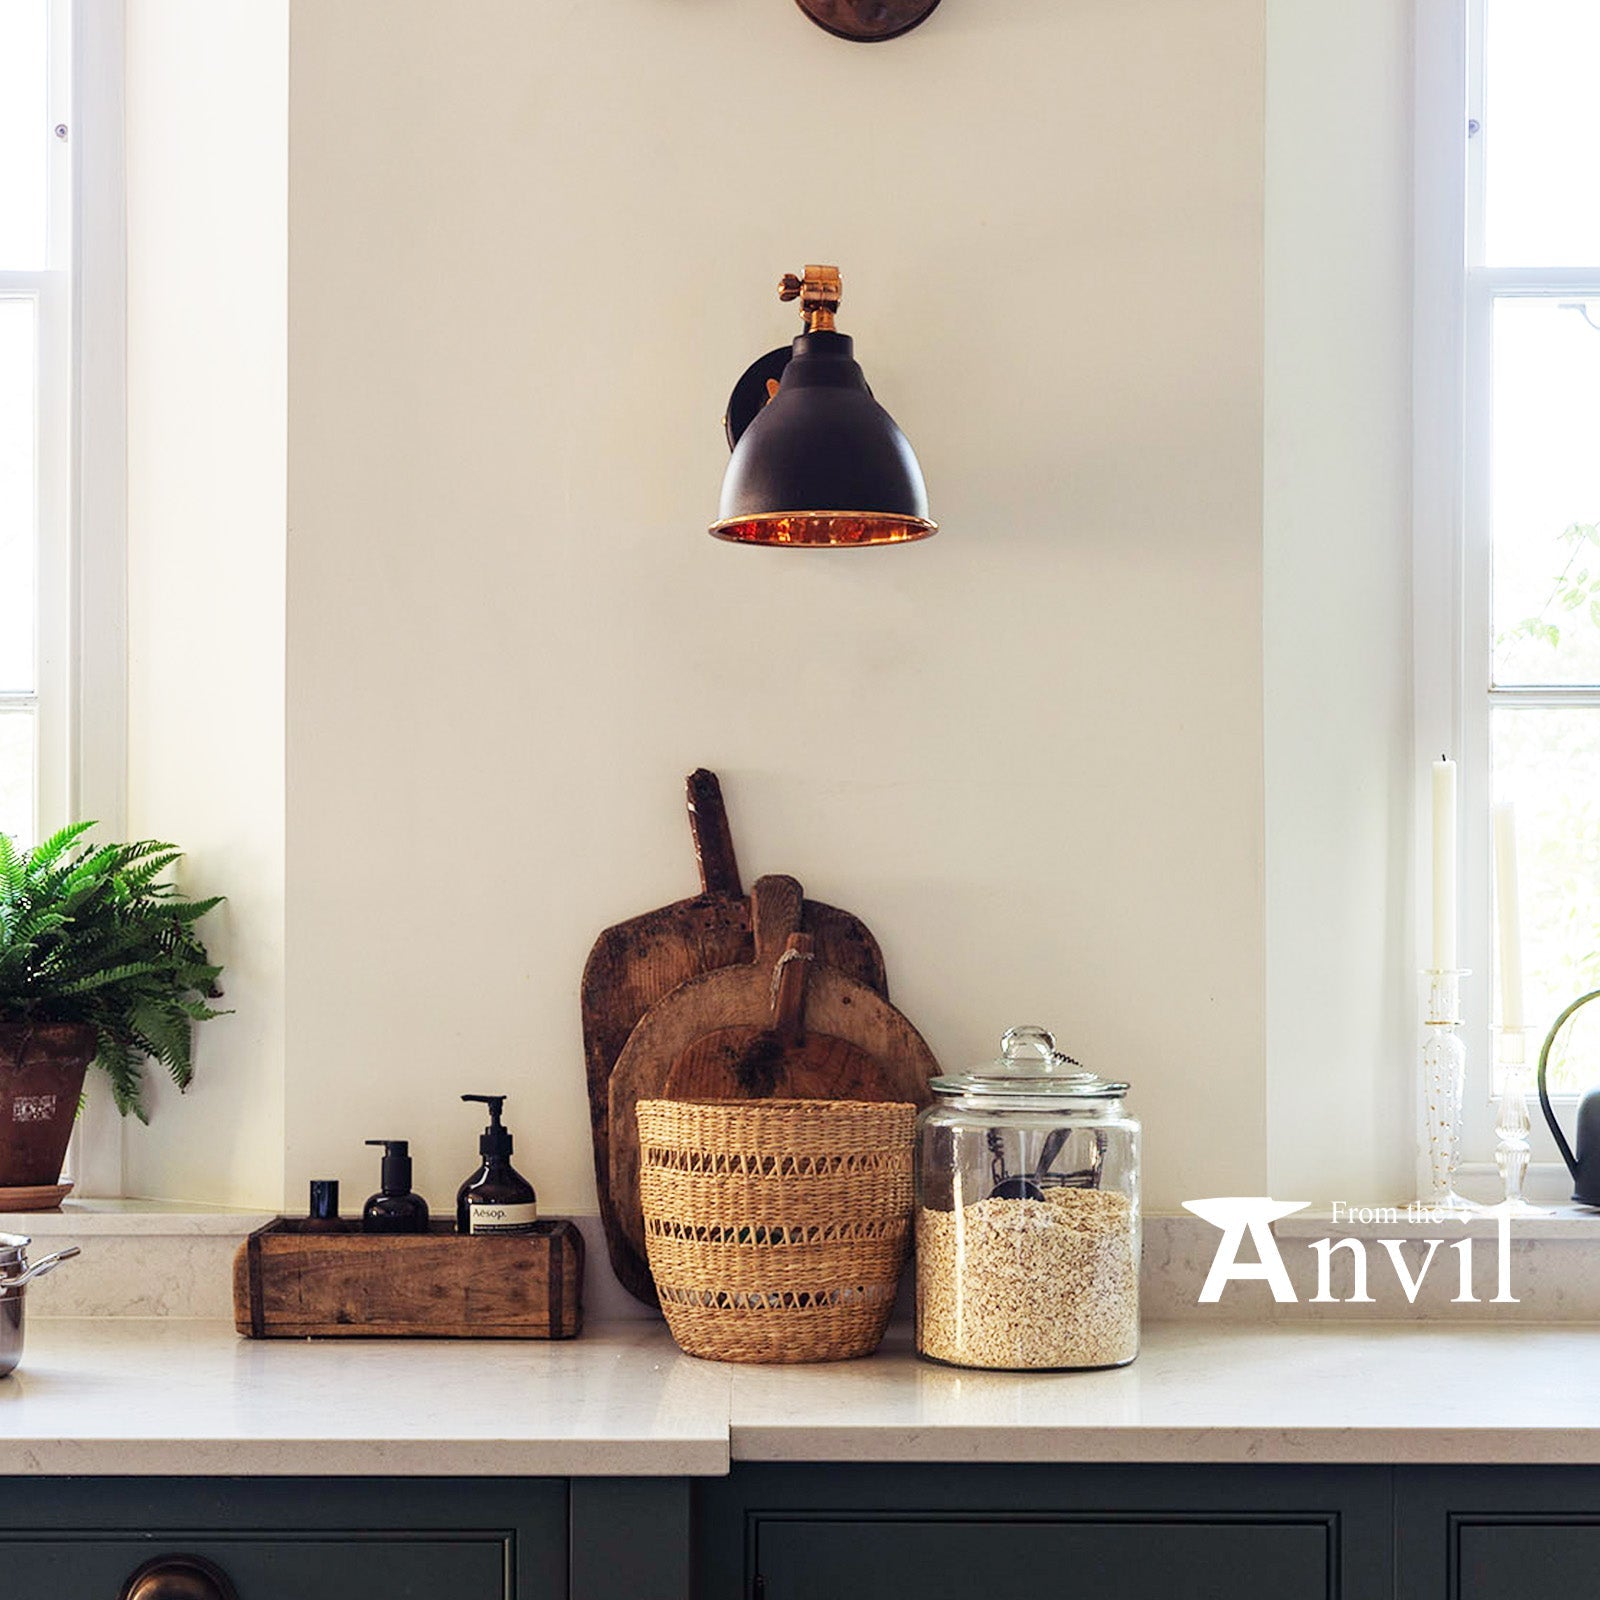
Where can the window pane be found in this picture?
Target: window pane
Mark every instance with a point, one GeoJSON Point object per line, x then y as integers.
{"type": "Point", "coordinates": [1545, 511]}
{"type": "Point", "coordinates": [1548, 762]}
{"type": "Point", "coordinates": [1542, 133]}
{"type": "Point", "coordinates": [16, 774]}
{"type": "Point", "coordinates": [24, 133]}
{"type": "Point", "coordinates": [17, 491]}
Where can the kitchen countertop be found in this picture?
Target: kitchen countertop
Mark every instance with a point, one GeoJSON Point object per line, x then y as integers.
{"type": "Point", "coordinates": [168, 1395]}
{"type": "Point", "coordinates": [156, 1396]}
{"type": "Point", "coordinates": [1389, 1393]}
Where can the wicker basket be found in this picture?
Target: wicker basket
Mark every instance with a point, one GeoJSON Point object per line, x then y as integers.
{"type": "Point", "coordinates": [776, 1229]}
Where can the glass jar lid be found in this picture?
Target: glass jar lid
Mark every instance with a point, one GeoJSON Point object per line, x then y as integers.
{"type": "Point", "coordinates": [1029, 1065]}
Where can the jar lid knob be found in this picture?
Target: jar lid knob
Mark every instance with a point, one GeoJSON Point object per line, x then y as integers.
{"type": "Point", "coordinates": [1021, 1042]}
{"type": "Point", "coordinates": [1037, 1044]}
{"type": "Point", "coordinates": [1030, 1064]}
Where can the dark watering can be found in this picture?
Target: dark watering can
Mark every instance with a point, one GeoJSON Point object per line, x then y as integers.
{"type": "Point", "coordinates": [1582, 1156]}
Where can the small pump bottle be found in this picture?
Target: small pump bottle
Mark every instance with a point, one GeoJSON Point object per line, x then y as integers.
{"type": "Point", "coordinates": [395, 1209]}
{"type": "Point", "coordinates": [323, 1216]}
{"type": "Point", "coordinates": [496, 1198]}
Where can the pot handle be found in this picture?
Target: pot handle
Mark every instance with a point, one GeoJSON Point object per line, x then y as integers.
{"type": "Point", "coordinates": [39, 1268]}
{"type": "Point", "coordinates": [1544, 1096]}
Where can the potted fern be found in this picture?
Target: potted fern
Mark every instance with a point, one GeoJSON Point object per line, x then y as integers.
{"type": "Point", "coordinates": [99, 963]}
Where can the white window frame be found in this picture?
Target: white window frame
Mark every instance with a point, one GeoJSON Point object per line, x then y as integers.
{"type": "Point", "coordinates": [50, 289]}
{"type": "Point", "coordinates": [1452, 574]}
{"type": "Point", "coordinates": [81, 586]}
{"type": "Point", "coordinates": [79, 693]}
{"type": "Point", "coordinates": [99, 750]}
{"type": "Point", "coordinates": [84, 626]}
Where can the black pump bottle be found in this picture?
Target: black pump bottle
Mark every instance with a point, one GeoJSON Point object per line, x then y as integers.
{"type": "Point", "coordinates": [496, 1198]}
{"type": "Point", "coordinates": [395, 1209]}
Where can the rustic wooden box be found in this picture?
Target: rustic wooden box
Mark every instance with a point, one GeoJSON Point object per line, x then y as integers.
{"type": "Point", "coordinates": [290, 1282]}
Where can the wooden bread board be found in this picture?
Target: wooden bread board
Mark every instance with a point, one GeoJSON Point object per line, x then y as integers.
{"type": "Point", "coordinates": [874, 1051]}
{"type": "Point", "coordinates": [637, 963]}
{"type": "Point", "coordinates": [293, 1283]}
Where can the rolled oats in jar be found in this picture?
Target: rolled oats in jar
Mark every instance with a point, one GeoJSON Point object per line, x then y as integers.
{"type": "Point", "coordinates": [1028, 1215]}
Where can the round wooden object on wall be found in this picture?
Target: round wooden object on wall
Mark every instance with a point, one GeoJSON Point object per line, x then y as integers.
{"type": "Point", "coordinates": [868, 19]}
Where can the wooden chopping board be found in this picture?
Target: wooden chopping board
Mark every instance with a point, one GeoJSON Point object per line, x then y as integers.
{"type": "Point", "coordinates": [783, 1060]}
{"type": "Point", "coordinates": [639, 962]}
{"type": "Point", "coordinates": [882, 1057]}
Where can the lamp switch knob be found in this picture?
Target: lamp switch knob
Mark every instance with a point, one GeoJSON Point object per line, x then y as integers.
{"type": "Point", "coordinates": [819, 291]}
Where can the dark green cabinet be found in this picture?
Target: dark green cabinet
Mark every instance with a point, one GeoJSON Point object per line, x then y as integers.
{"type": "Point", "coordinates": [282, 1539]}
{"type": "Point", "coordinates": [1117, 1533]}
{"type": "Point", "coordinates": [377, 1567]}
{"type": "Point", "coordinates": [1497, 1533]}
{"type": "Point", "coordinates": [1505, 1561]}
{"type": "Point", "coordinates": [975, 1531]}
{"type": "Point", "coordinates": [1115, 1560]}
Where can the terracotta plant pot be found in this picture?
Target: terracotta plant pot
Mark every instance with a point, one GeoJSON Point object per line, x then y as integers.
{"type": "Point", "coordinates": [41, 1080]}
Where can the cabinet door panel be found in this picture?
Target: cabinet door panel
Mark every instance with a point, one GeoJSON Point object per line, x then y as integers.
{"type": "Point", "coordinates": [1497, 1532]}
{"type": "Point", "coordinates": [999, 1558]}
{"type": "Point", "coordinates": [1512, 1561]}
{"type": "Point", "coordinates": [290, 1538]}
{"type": "Point", "coordinates": [1060, 1531]}
{"type": "Point", "coordinates": [367, 1568]}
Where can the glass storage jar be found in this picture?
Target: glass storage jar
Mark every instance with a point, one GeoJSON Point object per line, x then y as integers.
{"type": "Point", "coordinates": [1028, 1215]}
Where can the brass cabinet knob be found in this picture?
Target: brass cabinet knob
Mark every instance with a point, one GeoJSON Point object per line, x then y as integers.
{"type": "Point", "coordinates": [179, 1578]}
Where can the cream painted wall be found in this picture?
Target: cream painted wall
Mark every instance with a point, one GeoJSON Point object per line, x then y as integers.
{"type": "Point", "coordinates": [206, 160]}
{"type": "Point", "coordinates": [530, 249]}
{"type": "Point", "coordinates": [1339, 755]}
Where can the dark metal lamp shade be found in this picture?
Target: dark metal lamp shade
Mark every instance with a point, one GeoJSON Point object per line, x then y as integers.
{"type": "Point", "coordinates": [822, 463]}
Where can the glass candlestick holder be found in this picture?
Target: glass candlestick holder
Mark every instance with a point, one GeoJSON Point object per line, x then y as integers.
{"type": "Point", "coordinates": [1511, 1122]}
{"type": "Point", "coordinates": [1443, 1085]}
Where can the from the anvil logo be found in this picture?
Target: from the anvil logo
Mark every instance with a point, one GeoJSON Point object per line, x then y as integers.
{"type": "Point", "coordinates": [1238, 1215]}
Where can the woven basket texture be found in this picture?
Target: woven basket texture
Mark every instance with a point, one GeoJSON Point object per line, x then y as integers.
{"type": "Point", "coordinates": [776, 1229]}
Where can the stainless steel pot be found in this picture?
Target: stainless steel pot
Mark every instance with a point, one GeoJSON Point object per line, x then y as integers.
{"type": "Point", "coordinates": [14, 1275]}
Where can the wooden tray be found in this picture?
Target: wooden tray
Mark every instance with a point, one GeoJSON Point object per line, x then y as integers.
{"type": "Point", "coordinates": [290, 1282]}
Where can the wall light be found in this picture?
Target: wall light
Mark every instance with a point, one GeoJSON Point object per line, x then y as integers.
{"type": "Point", "coordinates": [816, 460]}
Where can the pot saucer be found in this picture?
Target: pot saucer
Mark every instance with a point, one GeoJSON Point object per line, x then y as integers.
{"type": "Point", "coordinates": [40, 1197]}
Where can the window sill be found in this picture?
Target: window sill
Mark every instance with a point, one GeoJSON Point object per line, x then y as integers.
{"type": "Point", "coordinates": [81, 1219]}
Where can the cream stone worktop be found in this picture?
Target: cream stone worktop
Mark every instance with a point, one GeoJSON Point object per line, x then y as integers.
{"type": "Point", "coordinates": [156, 1396]}
{"type": "Point", "coordinates": [173, 1395]}
{"type": "Point", "coordinates": [1415, 1393]}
